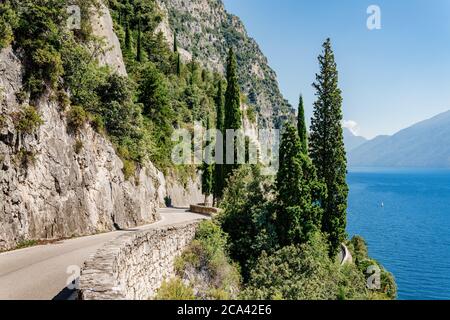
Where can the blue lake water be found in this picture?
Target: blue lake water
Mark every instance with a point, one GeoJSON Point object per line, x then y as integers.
{"type": "Point", "coordinates": [410, 234]}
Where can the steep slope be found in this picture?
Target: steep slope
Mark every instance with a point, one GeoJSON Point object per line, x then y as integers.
{"type": "Point", "coordinates": [206, 31]}
{"type": "Point", "coordinates": [425, 144]}
{"type": "Point", "coordinates": [54, 184]}
{"type": "Point", "coordinates": [352, 141]}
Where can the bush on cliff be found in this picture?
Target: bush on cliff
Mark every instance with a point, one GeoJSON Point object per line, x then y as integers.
{"type": "Point", "coordinates": [206, 266]}
{"type": "Point", "coordinates": [175, 289]}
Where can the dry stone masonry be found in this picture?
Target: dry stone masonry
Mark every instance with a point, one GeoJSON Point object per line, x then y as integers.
{"type": "Point", "coordinates": [133, 266]}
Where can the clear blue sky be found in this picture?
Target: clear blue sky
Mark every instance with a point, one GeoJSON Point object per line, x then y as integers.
{"type": "Point", "coordinates": [391, 78]}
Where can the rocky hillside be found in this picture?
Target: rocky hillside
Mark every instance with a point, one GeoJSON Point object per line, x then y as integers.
{"type": "Point", "coordinates": [206, 31]}
{"type": "Point", "coordinates": [56, 184]}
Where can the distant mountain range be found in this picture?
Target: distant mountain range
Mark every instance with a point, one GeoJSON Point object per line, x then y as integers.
{"type": "Point", "coordinates": [352, 141]}
{"type": "Point", "coordinates": [425, 144]}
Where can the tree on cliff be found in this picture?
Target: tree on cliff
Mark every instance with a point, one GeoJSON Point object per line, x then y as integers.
{"type": "Point", "coordinates": [327, 148]}
{"type": "Point", "coordinates": [233, 116]}
{"type": "Point", "coordinates": [298, 192]}
{"type": "Point", "coordinates": [220, 118]}
{"type": "Point", "coordinates": [301, 126]}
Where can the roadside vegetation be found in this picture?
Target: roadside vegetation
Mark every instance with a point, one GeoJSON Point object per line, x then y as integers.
{"type": "Point", "coordinates": [284, 234]}
{"type": "Point", "coordinates": [276, 237]}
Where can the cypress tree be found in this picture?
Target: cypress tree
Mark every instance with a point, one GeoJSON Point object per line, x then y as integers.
{"type": "Point", "coordinates": [298, 192]}
{"type": "Point", "coordinates": [207, 174]}
{"type": "Point", "coordinates": [178, 65]}
{"type": "Point", "coordinates": [127, 36]}
{"type": "Point", "coordinates": [233, 116]}
{"type": "Point", "coordinates": [218, 170]}
{"type": "Point", "coordinates": [175, 43]}
{"type": "Point", "coordinates": [139, 43]}
{"type": "Point", "coordinates": [327, 148]}
{"type": "Point", "coordinates": [301, 126]}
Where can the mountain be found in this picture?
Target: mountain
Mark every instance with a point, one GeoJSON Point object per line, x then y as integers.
{"type": "Point", "coordinates": [425, 144]}
{"type": "Point", "coordinates": [73, 169]}
{"type": "Point", "coordinates": [205, 31]}
{"type": "Point", "coordinates": [352, 141]}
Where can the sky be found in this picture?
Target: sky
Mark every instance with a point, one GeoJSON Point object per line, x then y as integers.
{"type": "Point", "coordinates": [391, 77]}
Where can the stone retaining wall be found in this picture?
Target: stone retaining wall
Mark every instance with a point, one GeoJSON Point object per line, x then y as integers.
{"type": "Point", "coordinates": [133, 266]}
{"type": "Point", "coordinates": [204, 209]}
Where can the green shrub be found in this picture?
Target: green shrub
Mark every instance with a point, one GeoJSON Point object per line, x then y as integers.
{"type": "Point", "coordinates": [358, 247]}
{"type": "Point", "coordinates": [175, 289]}
{"type": "Point", "coordinates": [295, 273]}
{"type": "Point", "coordinates": [78, 146]}
{"type": "Point", "coordinates": [247, 217]}
{"type": "Point", "coordinates": [8, 22]}
{"type": "Point", "coordinates": [129, 169]}
{"type": "Point", "coordinates": [251, 114]}
{"type": "Point", "coordinates": [28, 120]}
{"type": "Point", "coordinates": [2, 122]}
{"type": "Point", "coordinates": [25, 158]}
{"type": "Point", "coordinates": [76, 118]}
{"type": "Point", "coordinates": [205, 264]}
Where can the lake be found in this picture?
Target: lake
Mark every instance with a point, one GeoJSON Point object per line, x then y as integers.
{"type": "Point", "coordinates": [404, 215]}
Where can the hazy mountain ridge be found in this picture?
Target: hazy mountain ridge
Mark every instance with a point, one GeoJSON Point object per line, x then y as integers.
{"type": "Point", "coordinates": [352, 141]}
{"type": "Point", "coordinates": [425, 144]}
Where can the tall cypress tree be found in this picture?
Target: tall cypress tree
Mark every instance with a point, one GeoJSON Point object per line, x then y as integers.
{"type": "Point", "coordinates": [139, 43]}
{"type": "Point", "coordinates": [233, 116]}
{"type": "Point", "coordinates": [298, 192]}
{"type": "Point", "coordinates": [178, 67]}
{"type": "Point", "coordinates": [301, 126]}
{"type": "Point", "coordinates": [218, 170]}
{"type": "Point", "coordinates": [127, 36]}
{"type": "Point", "coordinates": [327, 148]}
{"type": "Point", "coordinates": [207, 173]}
{"type": "Point", "coordinates": [175, 43]}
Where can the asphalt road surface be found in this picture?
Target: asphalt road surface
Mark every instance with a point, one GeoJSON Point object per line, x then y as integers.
{"type": "Point", "coordinates": [42, 272]}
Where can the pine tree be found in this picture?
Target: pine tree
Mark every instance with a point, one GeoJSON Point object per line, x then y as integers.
{"type": "Point", "coordinates": [218, 171]}
{"type": "Point", "coordinates": [327, 148]}
{"type": "Point", "coordinates": [298, 192]}
{"type": "Point", "coordinates": [139, 43]}
{"type": "Point", "coordinates": [233, 116]}
{"type": "Point", "coordinates": [301, 126]}
{"type": "Point", "coordinates": [207, 174]}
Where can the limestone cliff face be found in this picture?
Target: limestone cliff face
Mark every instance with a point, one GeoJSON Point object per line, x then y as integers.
{"type": "Point", "coordinates": [205, 30]}
{"type": "Point", "coordinates": [59, 192]}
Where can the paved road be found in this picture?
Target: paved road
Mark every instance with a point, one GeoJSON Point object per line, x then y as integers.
{"type": "Point", "coordinates": [40, 273]}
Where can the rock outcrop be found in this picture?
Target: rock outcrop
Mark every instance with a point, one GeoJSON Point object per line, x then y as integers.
{"type": "Point", "coordinates": [55, 185]}
{"type": "Point", "coordinates": [206, 30]}
{"type": "Point", "coordinates": [58, 192]}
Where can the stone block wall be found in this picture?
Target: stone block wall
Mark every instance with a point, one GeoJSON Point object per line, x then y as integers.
{"type": "Point", "coordinates": [133, 266]}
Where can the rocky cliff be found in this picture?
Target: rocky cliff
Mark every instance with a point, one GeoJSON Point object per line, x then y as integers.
{"type": "Point", "coordinates": [51, 190]}
{"type": "Point", "coordinates": [206, 31]}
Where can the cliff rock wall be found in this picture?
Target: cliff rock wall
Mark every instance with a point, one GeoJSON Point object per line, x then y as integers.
{"type": "Point", "coordinates": [51, 190]}
{"type": "Point", "coordinates": [206, 30]}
